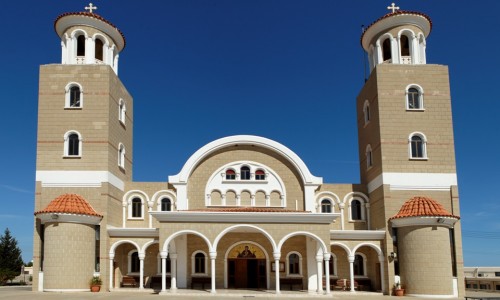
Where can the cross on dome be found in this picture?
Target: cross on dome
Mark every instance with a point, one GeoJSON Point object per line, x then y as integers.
{"type": "Point", "coordinates": [393, 7]}
{"type": "Point", "coordinates": [91, 7]}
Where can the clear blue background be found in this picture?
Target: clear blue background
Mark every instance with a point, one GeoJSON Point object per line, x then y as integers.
{"type": "Point", "coordinates": [288, 70]}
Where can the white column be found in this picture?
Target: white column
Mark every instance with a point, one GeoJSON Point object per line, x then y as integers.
{"type": "Point", "coordinates": [111, 258]}
{"type": "Point", "coordinates": [277, 256]}
{"type": "Point", "coordinates": [116, 67]}
{"type": "Point", "coordinates": [327, 256]}
{"type": "Point", "coordinates": [63, 52]}
{"type": "Point", "coordinates": [351, 271]}
{"type": "Point", "coordinates": [380, 58]}
{"type": "Point", "coordinates": [415, 57]}
{"type": "Point", "coordinates": [163, 255]}
{"type": "Point", "coordinates": [395, 53]}
{"type": "Point", "coordinates": [150, 208]}
{"type": "Point", "coordinates": [173, 271]}
{"type": "Point", "coordinates": [319, 265]}
{"type": "Point", "coordinates": [341, 205]}
{"type": "Point", "coordinates": [381, 260]}
{"type": "Point", "coordinates": [124, 214]}
{"type": "Point", "coordinates": [367, 207]}
{"type": "Point", "coordinates": [89, 51]}
{"type": "Point", "coordinates": [141, 272]}
{"type": "Point", "coordinates": [213, 255]}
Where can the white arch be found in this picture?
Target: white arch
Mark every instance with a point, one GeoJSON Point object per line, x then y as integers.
{"type": "Point", "coordinates": [352, 195]}
{"type": "Point", "coordinates": [127, 198]}
{"type": "Point", "coordinates": [225, 142]}
{"type": "Point", "coordinates": [223, 232]}
{"type": "Point", "coordinates": [145, 246]}
{"type": "Point", "coordinates": [66, 143]}
{"type": "Point", "coordinates": [343, 246]}
{"type": "Point", "coordinates": [102, 37]}
{"type": "Point", "coordinates": [311, 235]}
{"type": "Point", "coordinates": [417, 133]}
{"type": "Point", "coordinates": [118, 243]}
{"type": "Point", "coordinates": [182, 232]}
{"type": "Point", "coordinates": [160, 194]}
{"type": "Point", "coordinates": [374, 246]}
{"type": "Point", "coordinates": [79, 30]}
{"type": "Point", "coordinates": [327, 194]}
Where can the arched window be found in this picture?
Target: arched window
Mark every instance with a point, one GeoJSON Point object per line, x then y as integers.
{"type": "Point", "coordinates": [414, 98]}
{"type": "Point", "coordinates": [366, 112]}
{"type": "Point", "coordinates": [294, 262]}
{"type": "Point", "coordinates": [245, 173]}
{"type": "Point", "coordinates": [122, 111]}
{"type": "Point", "coordinates": [199, 263]}
{"type": "Point", "coordinates": [166, 204]}
{"type": "Point", "coordinates": [386, 50]}
{"type": "Point", "coordinates": [73, 95]}
{"type": "Point", "coordinates": [72, 144]}
{"type": "Point", "coordinates": [80, 45]}
{"type": "Point", "coordinates": [121, 156]}
{"type": "Point", "coordinates": [230, 174]}
{"type": "Point", "coordinates": [359, 265]}
{"type": "Point", "coordinates": [369, 157]}
{"type": "Point", "coordinates": [260, 175]}
{"type": "Point", "coordinates": [418, 146]}
{"type": "Point", "coordinates": [99, 46]}
{"type": "Point", "coordinates": [405, 45]}
{"type": "Point", "coordinates": [356, 210]}
{"type": "Point", "coordinates": [136, 208]}
{"type": "Point", "coordinates": [326, 206]}
{"type": "Point", "coordinates": [135, 263]}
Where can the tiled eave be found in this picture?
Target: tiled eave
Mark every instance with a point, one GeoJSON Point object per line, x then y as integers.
{"type": "Point", "coordinates": [357, 234]}
{"type": "Point", "coordinates": [133, 232]}
{"type": "Point", "coordinates": [242, 217]}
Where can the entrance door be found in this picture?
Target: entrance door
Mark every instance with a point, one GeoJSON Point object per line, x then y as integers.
{"type": "Point", "coordinates": [247, 273]}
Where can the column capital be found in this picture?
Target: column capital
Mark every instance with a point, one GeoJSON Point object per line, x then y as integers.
{"type": "Point", "coordinates": [213, 254]}
{"type": "Point", "coordinates": [327, 256]}
{"type": "Point", "coordinates": [276, 255]}
{"type": "Point", "coordinates": [142, 255]}
{"type": "Point", "coordinates": [350, 258]}
{"type": "Point", "coordinates": [111, 256]}
{"type": "Point", "coordinates": [163, 254]}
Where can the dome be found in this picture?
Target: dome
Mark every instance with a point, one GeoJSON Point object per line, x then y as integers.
{"type": "Point", "coordinates": [69, 204]}
{"type": "Point", "coordinates": [422, 207]}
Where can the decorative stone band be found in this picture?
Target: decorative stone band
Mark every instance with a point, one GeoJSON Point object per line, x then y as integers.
{"type": "Point", "coordinates": [68, 218]}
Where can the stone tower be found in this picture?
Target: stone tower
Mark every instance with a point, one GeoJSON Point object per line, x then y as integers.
{"type": "Point", "coordinates": [406, 150]}
{"type": "Point", "coordinates": [84, 147]}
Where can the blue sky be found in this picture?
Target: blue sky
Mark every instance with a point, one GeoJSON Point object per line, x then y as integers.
{"type": "Point", "coordinates": [288, 70]}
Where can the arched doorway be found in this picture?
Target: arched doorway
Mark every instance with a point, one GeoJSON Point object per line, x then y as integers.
{"type": "Point", "coordinates": [246, 266]}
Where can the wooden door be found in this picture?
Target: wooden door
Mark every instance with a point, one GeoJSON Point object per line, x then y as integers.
{"type": "Point", "coordinates": [241, 273]}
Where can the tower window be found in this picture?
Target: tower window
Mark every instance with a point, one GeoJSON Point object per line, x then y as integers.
{"type": "Point", "coordinates": [386, 49]}
{"type": "Point", "coordinates": [122, 111]}
{"type": "Point", "coordinates": [418, 148]}
{"type": "Point", "coordinates": [366, 112]}
{"type": "Point", "coordinates": [72, 144]}
{"type": "Point", "coordinates": [405, 45]}
{"type": "Point", "coordinates": [121, 156]}
{"type": "Point", "coordinates": [74, 96]}
{"type": "Point", "coordinates": [326, 206]}
{"type": "Point", "coordinates": [369, 157]}
{"type": "Point", "coordinates": [245, 173]}
{"type": "Point", "coordinates": [99, 46]}
{"type": "Point", "coordinates": [80, 45]}
{"type": "Point", "coordinates": [414, 98]}
{"type": "Point", "coordinates": [260, 175]}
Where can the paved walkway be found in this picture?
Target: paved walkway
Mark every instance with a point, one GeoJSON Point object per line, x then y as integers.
{"type": "Point", "coordinates": [133, 294]}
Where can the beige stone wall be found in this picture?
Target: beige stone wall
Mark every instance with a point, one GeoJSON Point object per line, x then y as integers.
{"type": "Point", "coordinates": [68, 244]}
{"type": "Point", "coordinates": [199, 177]}
{"type": "Point", "coordinates": [425, 262]}
{"type": "Point", "coordinates": [97, 120]}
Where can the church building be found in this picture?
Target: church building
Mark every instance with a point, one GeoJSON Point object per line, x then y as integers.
{"type": "Point", "coordinates": [245, 212]}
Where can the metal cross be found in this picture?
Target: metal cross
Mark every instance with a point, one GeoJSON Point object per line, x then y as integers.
{"type": "Point", "coordinates": [90, 8]}
{"type": "Point", "coordinates": [393, 7]}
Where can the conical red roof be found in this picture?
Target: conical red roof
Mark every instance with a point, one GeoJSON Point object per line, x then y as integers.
{"type": "Point", "coordinates": [422, 207]}
{"type": "Point", "coordinates": [69, 204]}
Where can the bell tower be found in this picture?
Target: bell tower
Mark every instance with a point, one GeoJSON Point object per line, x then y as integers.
{"type": "Point", "coordinates": [84, 149]}
{"type": "Point", "coordinates": [406, 150]}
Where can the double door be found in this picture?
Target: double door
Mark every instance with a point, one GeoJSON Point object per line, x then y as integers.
{"type": "Point", "coordinates": [249, 273]}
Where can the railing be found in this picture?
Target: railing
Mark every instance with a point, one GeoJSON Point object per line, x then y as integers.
{"type": "Point", "coordinates": [80, 60]}
{"type": "Point", "coordinates": [406, 60]}
{"type": "Point", "coordinates": [99, 62]}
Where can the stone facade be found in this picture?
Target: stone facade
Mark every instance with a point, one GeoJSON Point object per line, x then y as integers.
{"type": "Point", "coordinates": [248, 191]}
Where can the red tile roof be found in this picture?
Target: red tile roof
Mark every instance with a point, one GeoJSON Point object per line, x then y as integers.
{"type": "Point", "coordinates": [246, 209]}
{"type": "Point", "coordinates": [422, 207]}
{"type": "Point", "coordinates": [92, 15]}
{"type": "Point", "coordinates": [69, 204]}
{"type": "Point", "coordinates": [399, 12]}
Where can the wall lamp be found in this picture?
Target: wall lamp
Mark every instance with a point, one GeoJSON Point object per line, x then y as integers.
{"type": "Point", "coordinates": [393, 255]}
